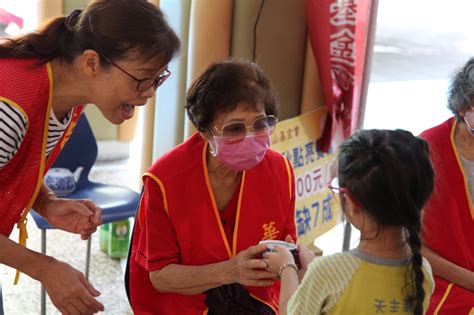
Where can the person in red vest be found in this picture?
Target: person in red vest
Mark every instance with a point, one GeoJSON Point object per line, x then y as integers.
{"type": "Point", "coordinates": [208, 202]}
{"type": "Point", "coordinates": [448, 221]}
{"type": "Point", "coordinates": [114, 54]}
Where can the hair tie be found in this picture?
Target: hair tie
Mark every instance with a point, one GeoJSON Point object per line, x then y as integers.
{"type": "Point", "coordinates": [70, 20]}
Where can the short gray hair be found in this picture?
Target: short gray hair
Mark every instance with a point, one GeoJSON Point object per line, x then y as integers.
{"type": "Point", "coordinates": [461, 91]}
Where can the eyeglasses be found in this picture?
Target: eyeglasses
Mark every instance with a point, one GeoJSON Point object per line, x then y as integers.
{"type": "Point", "coordinates": [143, 84]}
{"type": "Point", "coordinates": [238, 130]}
{"type": "Point", "coordinates": [338, 191]}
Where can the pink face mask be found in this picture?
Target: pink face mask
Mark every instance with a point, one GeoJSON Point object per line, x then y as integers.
{"type": "Point", "coordinates": [241, 155]}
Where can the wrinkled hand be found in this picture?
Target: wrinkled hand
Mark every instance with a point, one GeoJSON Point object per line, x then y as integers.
{"type": "Point", "coordinates": [244, 268]}
{"type": "Point", "coordinates": [75, 216]}
{"type": "Point", "coordinates": [305, 255]}
{"type": "Point", "coordinates": [69, 290]}
{"type": "Point", "coordinates": [278, 257]}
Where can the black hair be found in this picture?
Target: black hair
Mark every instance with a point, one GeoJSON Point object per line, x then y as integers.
{"type": "Point", "coordinates": [223, 86]}
{"type": "Point", "coordinates": [114, 28]}
{"type": "Point", "coordinates": [390, 174]}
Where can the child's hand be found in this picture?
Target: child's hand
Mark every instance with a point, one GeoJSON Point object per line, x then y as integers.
{"type": "Point", "coordinates": [278, 257]}
{"type": "Point", "coordinates": [306, 256]}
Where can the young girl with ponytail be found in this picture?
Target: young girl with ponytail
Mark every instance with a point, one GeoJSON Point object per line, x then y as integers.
{"type": "Point", "coordinates": [384, 179]}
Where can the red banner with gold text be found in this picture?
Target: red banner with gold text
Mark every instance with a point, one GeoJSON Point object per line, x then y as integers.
{"type": "Point", "coordinates": [340, 32]}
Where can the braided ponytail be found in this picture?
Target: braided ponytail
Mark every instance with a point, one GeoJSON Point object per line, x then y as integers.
{"type": "Point", "coordinates": [414, 241]}
{"type": "Point", "coordinates": [390, 174]}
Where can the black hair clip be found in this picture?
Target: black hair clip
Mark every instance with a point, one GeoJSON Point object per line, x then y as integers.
{"type": "Point", "coordinates": [71, 19]}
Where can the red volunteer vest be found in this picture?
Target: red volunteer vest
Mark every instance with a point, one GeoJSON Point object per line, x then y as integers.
{"type": "Point", "coordinates": [264, 211]}
{"type": "Point", "coordinates": [28, 88]}
{"type": "Point", "coordinates": [448, 219]}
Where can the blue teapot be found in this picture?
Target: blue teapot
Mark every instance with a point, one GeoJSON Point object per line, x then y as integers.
{"type": "Point", "coordinates": [61, 180]}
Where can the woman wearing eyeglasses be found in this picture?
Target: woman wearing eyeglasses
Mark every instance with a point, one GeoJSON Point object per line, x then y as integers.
{"type": "Point", "coordinates": [113, 54]}
{"type": "Point", "coordinates": [207, 203]}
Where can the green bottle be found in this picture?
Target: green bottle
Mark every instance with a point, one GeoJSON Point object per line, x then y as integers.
{"type": "Point", "coordinates": [104, 237]}
{"type": "Point", "coordinates": [119, 237]}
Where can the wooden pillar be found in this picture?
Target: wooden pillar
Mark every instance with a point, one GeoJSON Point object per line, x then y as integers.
{"type": "Point", "coordinates": [209, 39]}
{"type": "Point", "coordinates": [49, 8]}
{"type": "Point", "coordinates": [279, 45]}
{"type": "Point", "coordinates": [148, 128]}
{"type": "Point", "coordinates": [71, 5]}
{"type": "Point", "coordinates": [312, 95]}
{"type": "Point", "coordinates": [170, 114]}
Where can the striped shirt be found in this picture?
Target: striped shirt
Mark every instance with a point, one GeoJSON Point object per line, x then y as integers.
{"type": "Point", "coordinates": [14, 125]}
{"type": "Point", "coordinates": [356, 283]}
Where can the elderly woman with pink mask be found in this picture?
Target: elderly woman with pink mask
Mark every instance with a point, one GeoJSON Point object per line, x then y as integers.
{"type": "Point", "coordinates": [207, 203]}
